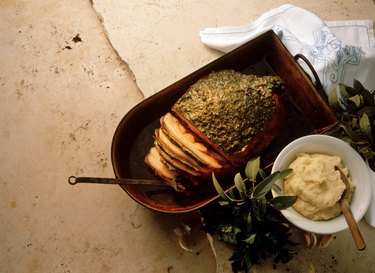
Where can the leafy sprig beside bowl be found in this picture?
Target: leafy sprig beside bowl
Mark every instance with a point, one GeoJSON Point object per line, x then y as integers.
{"type": "Point", "coordinates": [248, 218]}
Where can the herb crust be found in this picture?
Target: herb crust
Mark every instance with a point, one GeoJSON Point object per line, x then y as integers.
{"type": "Point", "coordinates": [229, 107]}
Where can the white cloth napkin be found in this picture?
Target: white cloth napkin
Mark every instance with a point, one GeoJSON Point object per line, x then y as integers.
{"type": "Point", "coordinates": [340, 51]}
{"type": "Point", "coordinates": [370, 213]}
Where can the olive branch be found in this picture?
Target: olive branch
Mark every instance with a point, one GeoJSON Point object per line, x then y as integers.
{"type": "Point", "coordinates": [249, 219]}
{"type": "Point", "coordinates": [355, 108]}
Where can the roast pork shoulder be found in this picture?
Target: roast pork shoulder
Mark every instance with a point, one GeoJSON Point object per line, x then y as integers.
{"type": "Point", "coordinates": [220, 122]}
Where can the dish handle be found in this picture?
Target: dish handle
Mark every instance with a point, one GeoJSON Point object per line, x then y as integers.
{"type": "Point", "coordinates": [318, 84]}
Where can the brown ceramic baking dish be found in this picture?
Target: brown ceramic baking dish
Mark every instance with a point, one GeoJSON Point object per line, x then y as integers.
{"type": "Point", "coordinates": [307, 113]}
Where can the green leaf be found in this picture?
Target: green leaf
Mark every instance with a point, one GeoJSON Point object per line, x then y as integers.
{"type": "Point", "coordinates": [249, 221]}
{"type": "Point", "coordinates": [224, 203]}
{"type": "Point", "coordinates": [260, 207]}
{"type": "Point", "coordinates": [358, 87]}
{"type": "Point", "coordinates": [250, 239]}
{"type": "Point", "coordinates": [347, 91]}
{"type": "Point", "coordinates": [333, 99]}
{"type": "Point", "coordinates": [220, 190]}
{"type": "Point", "coordinates": [240, 185]}
{"type": "Point", "coordinates": [357, 100]}
{"type": "Point", "coordinates": [236, 230]}
{"type": "Point", "coordinates": [350, 133]}
{"type": "Point", "coordinates": [368, 110]}
{"type": "Point", "coordinates": [276, 188]}
{"type": "Point", "coordinates": [364, 124]}
{"type": "Point", "coordinates": [226, 228]}
{"type": "Point", "coordinates": [283, 202]}
{"type": "Point", "coordinates": [368, 154]}
{"type": "Point", "coordinates": [353, 122]}
{"type": "Point", "coordinates": [228, 236]}
{"type": "Point", "coordinates": [265, 186]}
{"type": "Point", "coordinates": [263, 174]}
{"type": "Point", "coordinates": [368, 97]}
{"type": "Point", "coordinates": [252, 169]}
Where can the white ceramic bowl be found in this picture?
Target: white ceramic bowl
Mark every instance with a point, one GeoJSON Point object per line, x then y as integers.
{"type": "Point", "coordinates": [358, 170]}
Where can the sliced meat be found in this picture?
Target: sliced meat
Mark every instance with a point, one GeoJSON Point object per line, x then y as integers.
{"type": "Point", "coordinates": [189, 142]}
{"type": "Point", "coordinates": [154, 160]}
{"type": "Point", "coordinates": [176, 152]}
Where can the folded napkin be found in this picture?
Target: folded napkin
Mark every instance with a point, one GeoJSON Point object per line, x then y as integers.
{"type": "Point", "coordinates": [370, 213]}
{"type": "Point", "coordinates": [340, 51]}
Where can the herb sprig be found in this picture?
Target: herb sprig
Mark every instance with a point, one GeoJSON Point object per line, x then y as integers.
{"type": "Point", "coordinates": [355, 108]}
{"type": "Point", "coordinates": [250, 220]}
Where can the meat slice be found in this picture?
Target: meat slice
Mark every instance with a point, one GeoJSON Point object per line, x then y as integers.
{"type": "Point", "coordinates": [161, 168]}
{"type": "Point", "coordinates": [190, 143]}
{"type": "Point", "coordinates": [175, 162]}
{"type": "Point", "coordinates": [176, 152]}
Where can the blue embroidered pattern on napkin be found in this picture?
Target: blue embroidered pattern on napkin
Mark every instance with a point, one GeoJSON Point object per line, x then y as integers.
{"type": "Point", "coordinates": [335, 60]}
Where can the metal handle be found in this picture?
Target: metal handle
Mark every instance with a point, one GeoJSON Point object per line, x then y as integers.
{"type": "Point", "coordinates": [178, 186]}
{"type": "Point", "coordinates": [99, 180]}
{"type": "Point", "coordinates": [120, 181]}
{"type": "Point", "coordinates": [318, 83]}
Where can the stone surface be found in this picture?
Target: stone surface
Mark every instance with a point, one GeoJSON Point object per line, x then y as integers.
{"type": "Point", "coordinates": [160, 39]}
{"type": "Point", "coordinates": [63, 91]}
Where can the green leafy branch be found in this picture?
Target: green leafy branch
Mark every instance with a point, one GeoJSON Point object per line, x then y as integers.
{"type": "Point", "coordinates": [355, 108]}
{"type": "Point", "coordinates": [250, 220]}
{"type": "Point", "coordinates": [256, 195]}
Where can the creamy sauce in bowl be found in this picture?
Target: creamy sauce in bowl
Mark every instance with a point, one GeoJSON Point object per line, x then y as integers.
{"type": "Point", "coordinates": [317, 185]}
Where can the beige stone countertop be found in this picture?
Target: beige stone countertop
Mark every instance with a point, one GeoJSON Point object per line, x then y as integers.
{"type": "Point", "coordinates": [63, 91]}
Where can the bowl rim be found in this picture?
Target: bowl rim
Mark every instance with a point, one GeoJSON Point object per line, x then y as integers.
{"type": "Point", "coordinates": [356, 165]}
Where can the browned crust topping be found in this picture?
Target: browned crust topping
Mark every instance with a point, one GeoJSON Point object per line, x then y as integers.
{"type": "Point", "coordinates": [229, 108]}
